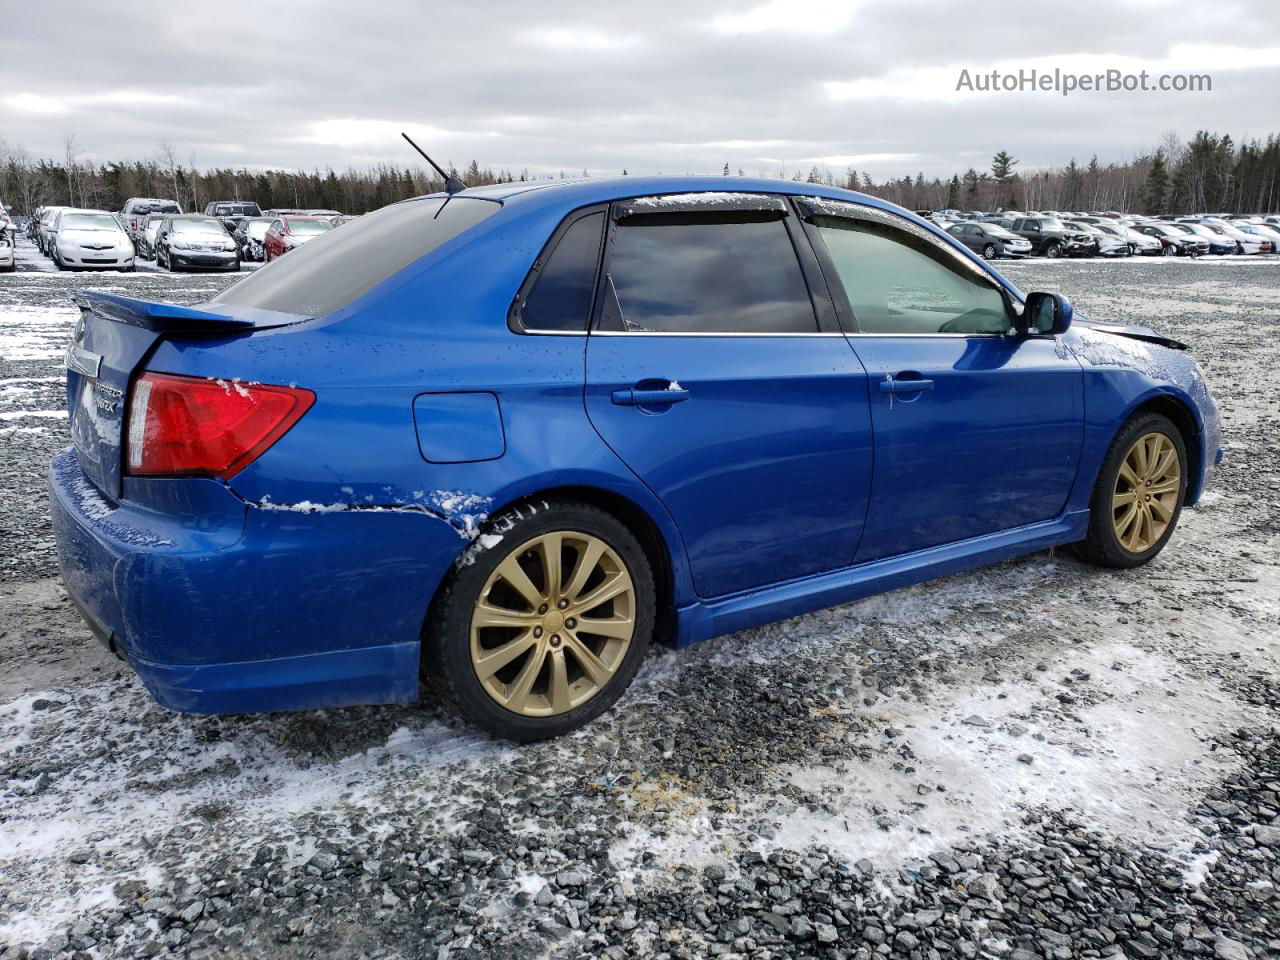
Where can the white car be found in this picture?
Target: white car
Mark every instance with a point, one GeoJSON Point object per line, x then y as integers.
{"type": "Point", "coordinates": [8, 256]}
{"type": "Point", "coordinates": [91, 239]}
{"type": "Point", "coordinates": [1264, 231]}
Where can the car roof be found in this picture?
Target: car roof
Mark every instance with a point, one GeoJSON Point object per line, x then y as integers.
{"type": "Point", "coordinates": [571, 194]}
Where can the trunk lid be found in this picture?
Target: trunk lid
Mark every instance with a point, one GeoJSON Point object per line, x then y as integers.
{"type": "Point", "coordinates": [112, 338]}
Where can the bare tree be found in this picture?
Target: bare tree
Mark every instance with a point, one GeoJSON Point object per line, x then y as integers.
{"type": "Point", "coordinates": [71, 150]}
{"type": "Point", "coordinates": [169, 161]}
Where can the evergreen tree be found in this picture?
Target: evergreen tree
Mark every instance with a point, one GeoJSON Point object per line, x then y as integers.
{"type": "Point", "coordinates": [1002, 166]}
{"type": "Point", "coordinates": [953, 192]}
{"type": "Point", "coordinates": [1155, 190]}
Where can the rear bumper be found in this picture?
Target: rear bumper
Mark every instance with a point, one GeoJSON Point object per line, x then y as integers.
{"type": "Point", "coordinates": [221, 607]}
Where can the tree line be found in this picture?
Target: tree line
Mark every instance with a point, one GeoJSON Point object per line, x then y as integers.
{"type": "Point", "coordinates": [1209, 173]}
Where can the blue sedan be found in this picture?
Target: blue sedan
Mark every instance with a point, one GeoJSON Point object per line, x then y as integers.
{"type": "Point", "coordinates": [498, 441]}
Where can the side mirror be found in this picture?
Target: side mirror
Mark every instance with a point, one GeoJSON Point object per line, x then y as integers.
{"type": "Point", "coordinates": [1045, 313]}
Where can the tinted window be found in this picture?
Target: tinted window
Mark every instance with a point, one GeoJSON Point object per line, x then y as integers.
{"type": "Point", "coordinates": [561, 295]}
{"type": "Point", "coordinates": [708, 273]}
{"type": "Point", "coordinates": [331, 271]}
{"type": "Point", "coordinates": [898, 282]}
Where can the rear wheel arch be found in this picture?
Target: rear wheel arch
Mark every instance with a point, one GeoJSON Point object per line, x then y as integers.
{"type": "Point", "coordinates": [643, 527]}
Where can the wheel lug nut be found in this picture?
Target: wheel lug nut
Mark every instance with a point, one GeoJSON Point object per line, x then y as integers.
{"type": "Point", "coordinates": [555, 639]}
{"type": "Point", "coordinates": [537, 631]}
{"type": "Point", "coordinates": [542, 609]}
{"type": "Point", "coordinates": [562, 604]}
{"type": "Point", "coordinates": [571, 623]}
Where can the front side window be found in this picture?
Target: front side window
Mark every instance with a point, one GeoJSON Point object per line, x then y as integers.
{"type": "Point", "coordinates": [713, 272]}
{"type": "Point", "coordinates": [899, 282]}
{"type": "Point", "coordinates": [561, 295]}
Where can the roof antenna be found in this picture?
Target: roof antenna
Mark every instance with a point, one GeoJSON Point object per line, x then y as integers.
{"type": "Point", "coordinates": [452, 184]}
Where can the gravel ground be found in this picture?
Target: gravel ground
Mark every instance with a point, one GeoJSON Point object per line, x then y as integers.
{"type": "Point", "coordinates": [1039, 759]}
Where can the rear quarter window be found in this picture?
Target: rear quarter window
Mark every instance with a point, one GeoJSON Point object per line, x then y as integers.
{"type": "Point", "coordinates": [332, 270]}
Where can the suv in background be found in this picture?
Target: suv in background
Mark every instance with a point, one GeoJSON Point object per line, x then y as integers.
{"type": "Point", "coordinates": [135, 210]}
{"type": "Point", "coordinates": [231, 213]}
{"type": "Point", "coordinates": [1050, 237]}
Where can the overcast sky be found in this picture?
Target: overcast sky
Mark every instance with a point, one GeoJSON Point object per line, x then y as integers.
{"type": "Point", "coordinates": [661, 86]}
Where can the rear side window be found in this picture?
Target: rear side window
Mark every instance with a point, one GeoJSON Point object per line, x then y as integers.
{"type": "Point", "coordinates": [329, 272]}
{"type": "Point", "coordinates": [561, 295]}
{"type": "Point", "coordinates": [706, 273]}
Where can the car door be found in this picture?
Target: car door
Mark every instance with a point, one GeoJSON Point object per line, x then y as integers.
{"type": "Point", "coordinates": [966, 234]}
{"type": "Point", "coordinates": [709, 374]}
{"type": "Point", "coordinates": [976, 431]}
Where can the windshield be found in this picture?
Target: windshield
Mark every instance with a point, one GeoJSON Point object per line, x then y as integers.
{"type": "Point", "coordinates": [89, 221]}
{"type": "Point", "coordinates": [155, 206]}
{"type": "Point", "coordinates": [331, 271]}
{"type": "Point", "coordinates": [258, 229]}
{"type": "Point", "coordinates": [188, 228]}
{"type": "Point", "coordinates": [236, 210]}
{"type": "Point", "coordinates": [1084, 227]}
{"type": "Point", "coordinates": [309, 228]}
{"type": "Point", "coordinates": [1049, 223]}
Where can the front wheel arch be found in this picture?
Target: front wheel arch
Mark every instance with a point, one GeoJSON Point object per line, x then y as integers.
{"type": "Point", "coordinates": [1182, 417]}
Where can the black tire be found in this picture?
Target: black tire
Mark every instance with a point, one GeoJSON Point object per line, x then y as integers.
{"type": "Point", "coordinates": [989, 252]}
{"type": "Point", "coordinates": [1053, 249]}
{"type": "Point", "coordinates": [1102, 546]}
{"type": "Point", "coordinates": [446, 641]}
{"type": "Point", "coordinates": [1169, 250]}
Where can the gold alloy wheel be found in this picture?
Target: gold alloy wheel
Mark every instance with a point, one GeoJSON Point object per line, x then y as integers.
{"type": "Point", "coordinates": [1146, 493]}
{"type": "Point", "coordinates": [553, 624]}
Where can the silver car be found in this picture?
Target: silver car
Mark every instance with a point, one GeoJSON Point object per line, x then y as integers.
{"type": "Point", "coordinates": [91, 239]}
{"type": "Point", "coordinates": [47, 217]}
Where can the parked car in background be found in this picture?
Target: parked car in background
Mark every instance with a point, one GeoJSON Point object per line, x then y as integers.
{"type": "Point", "coordinates": [367, 500]}
{"type": "Point", "coordinates": [1246, 243]}
{"type": "Point", "coordinates": [136, 209]}
{"type": "Point", "coordinates": [8, 253]}
{"type": "Point", "coordinates": [89, 240]}
{"type": "Point", "coordinates": [1219, 243]}
{"type": "Point", "coordinates": [990, 240]}
{"type": "Point", "coordinates": [286, 233]}
{"type": "Point", "coordinates": [1176, 240]}
{"type": "Point", "coordinates": [1050, 237]}
{"type": "Point", "coordinates": [1104, 244]}
{"type": "Point", "coordinates": [248, 237]}
{"type": "Point", "coordinates": [47, 217]}
{"type": "Point", "coordinates": [1139, 243]}
{"type": "Point", "coordinates": [1266, 231]}
{"type": "Point", "coordinates": [195, 242]}
{"type": "Point", "coordinates": [230, 213]}
{"type": "Point", "coordinates": [145, 239]}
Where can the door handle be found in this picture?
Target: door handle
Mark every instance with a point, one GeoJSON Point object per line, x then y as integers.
{"type": "Point", "coordinates": [634, 397]}
{"type": "Point", "coordinates": [890, 385]}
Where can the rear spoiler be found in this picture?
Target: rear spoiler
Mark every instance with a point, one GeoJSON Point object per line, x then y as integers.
{"type": "Point", "coordinates": [171, 318]}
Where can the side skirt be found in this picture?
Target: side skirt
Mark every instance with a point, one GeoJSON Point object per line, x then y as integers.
{"type": "Point", "coordinates": [707, 619]}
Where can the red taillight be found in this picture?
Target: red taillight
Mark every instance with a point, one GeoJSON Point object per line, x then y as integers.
{"type": "Point", "coordinates": [196, 427]}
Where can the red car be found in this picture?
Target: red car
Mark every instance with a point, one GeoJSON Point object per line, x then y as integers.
{"type": "Point", "coordinates": [288, 232]}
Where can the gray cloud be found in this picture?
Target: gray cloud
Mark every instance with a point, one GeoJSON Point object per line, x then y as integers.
{"type": "Point", "coordinates": [663, 86]}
